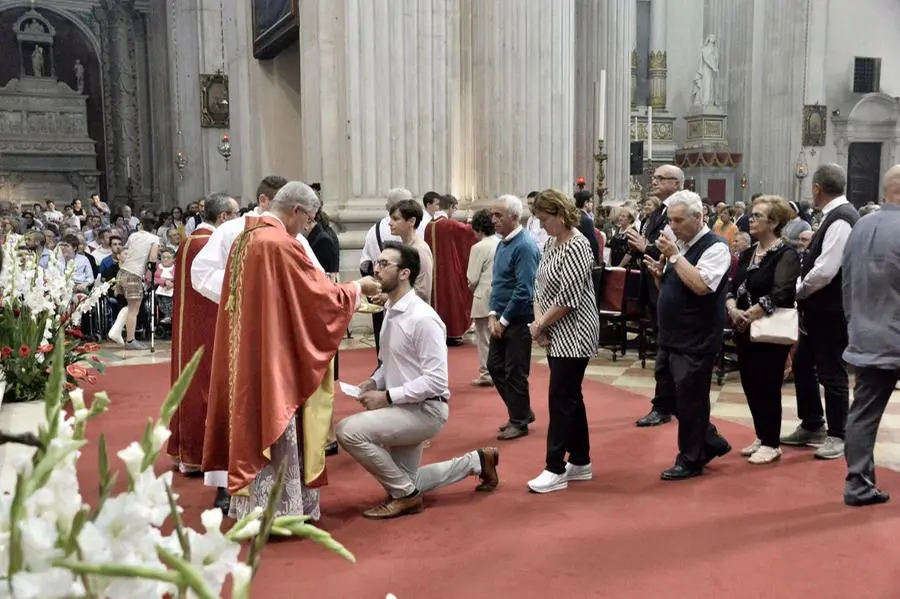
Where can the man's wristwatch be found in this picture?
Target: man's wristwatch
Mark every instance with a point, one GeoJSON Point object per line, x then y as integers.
{"type": "Point", "coordinates": [674, 258]}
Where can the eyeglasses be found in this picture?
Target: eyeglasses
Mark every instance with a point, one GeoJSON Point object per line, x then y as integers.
{"type": "Point", "coordinates": [382, 264]}
{"type": "Point", "coordinates": [663, 178]}
{"type": "Point", "coordinates": [758, 216]}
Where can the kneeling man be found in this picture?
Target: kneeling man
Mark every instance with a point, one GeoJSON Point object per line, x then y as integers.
{"type": "Point", "coordinates": [406, 400]}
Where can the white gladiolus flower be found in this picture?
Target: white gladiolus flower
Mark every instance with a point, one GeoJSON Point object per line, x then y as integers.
{"type": "Point", "coordinates": [241, 576]}
{"type": "Point", "coordinates": [160, 435]}
{"type": "Point", "coordinates": [54, 583]}
{"type": "Point", "coordinates": [133, 456]}
{"type": "Point", "coordinates": [151, 493]}
{"type": "Point", "coordinates": [251, 529]}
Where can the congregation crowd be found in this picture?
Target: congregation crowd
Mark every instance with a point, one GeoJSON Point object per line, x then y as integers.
{"type": "Point", "coordinates": [802, 291]}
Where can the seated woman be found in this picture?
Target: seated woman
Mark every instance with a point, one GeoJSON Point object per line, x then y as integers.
{"type": "Point", "coordinates": [766, 279]}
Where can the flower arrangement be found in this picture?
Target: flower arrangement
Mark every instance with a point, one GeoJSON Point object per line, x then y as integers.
{"type": "Point", "coordinates": [53, 545]}
{"type": "Point", "coordinates": [36, 303]}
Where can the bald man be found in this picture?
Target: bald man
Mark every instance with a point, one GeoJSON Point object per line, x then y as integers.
{"type": "Point", "coordinates": [871, 290]}
{"type": "Point", "coordinates": [666, 180]}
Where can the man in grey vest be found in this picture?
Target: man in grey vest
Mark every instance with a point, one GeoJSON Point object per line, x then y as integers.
{"type": "Point", "coordinates": [823, 327]}
{"type": "Point", "coordinates": [692, 278]}
{"type": "Point", "coordinates": [871, 292]}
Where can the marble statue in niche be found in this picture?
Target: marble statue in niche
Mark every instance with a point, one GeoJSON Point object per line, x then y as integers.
{"type": "Point", "coordinates": [79, 77]}
{"type": "Point", "coordinates": [37, 61]}
{"type": "Point", "coordinates": [698, 89]}
{"type": "Point", "coordinates": [709, 70]}
{"type": "Point", "coordinates": [34, 27]}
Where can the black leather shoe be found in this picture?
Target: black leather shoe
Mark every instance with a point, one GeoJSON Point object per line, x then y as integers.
{"type": "Point", "coordinates": [679, 472]}
{"type": "Point", "coordinates": [718, 450]}
{"type": "Point", "coordinates": [654, 418]}
{"type": "Point", "coordinates": [331, 449]}
{"type": "Point", "coordinates": [876, 497]}
{"type": "Point", "coordinates": [223, 502]}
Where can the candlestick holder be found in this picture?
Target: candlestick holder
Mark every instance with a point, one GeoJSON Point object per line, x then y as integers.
{"type": "Point", "coordinates": [181, 161]}
{"type": "Point", "coordinates": [600, 158]}
{"type": "Point", "coordinates": [225, 149]}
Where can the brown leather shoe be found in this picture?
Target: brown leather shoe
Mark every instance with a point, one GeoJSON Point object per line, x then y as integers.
{"type": "Point", "coordinates": [396, 507]}
{"type": "Point", "coordinates": [512, 432]}
{"type": "Point", "coordinates": [490, 459]}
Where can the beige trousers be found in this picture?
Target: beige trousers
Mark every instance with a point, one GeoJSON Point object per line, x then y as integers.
{"type": "Point", "coordinates": [482, 342]}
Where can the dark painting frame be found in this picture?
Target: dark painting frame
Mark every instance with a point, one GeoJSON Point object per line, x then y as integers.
{"type": "Point", "coordinates": [815, 125]}
{"type": "Point", "coordinates": [276, 25]}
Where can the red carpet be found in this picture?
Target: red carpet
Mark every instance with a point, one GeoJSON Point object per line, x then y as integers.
{"type": "Point", "coordinates": [737, 532]}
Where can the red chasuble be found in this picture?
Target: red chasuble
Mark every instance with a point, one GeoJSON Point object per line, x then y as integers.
{"type": "Point", "coordinates": [193, 326]}
{"type": "Point", "coordinates": [450, 242]}
{"type": "Point", "coordinates": [280, 323]}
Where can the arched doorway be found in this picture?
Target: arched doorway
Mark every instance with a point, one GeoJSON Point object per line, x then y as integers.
{"type": "Point", "coordinates": [868, 144]}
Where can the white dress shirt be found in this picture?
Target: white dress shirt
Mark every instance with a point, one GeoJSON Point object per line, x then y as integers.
{"type": "Point", "coordinates": [713, 264]}
{"type": "Point", "coordinates": [828, 263]}
{"type": "Point", "coordinates": [426, 218]}
{"type": "Point", "coordinates": [371, 251]}
{"type": "Point", "coordinates": [413, 352]}
{"type": "Point", "coordinates": [208, 267]}
{"type": "Point", "coordinates": [537, 232]}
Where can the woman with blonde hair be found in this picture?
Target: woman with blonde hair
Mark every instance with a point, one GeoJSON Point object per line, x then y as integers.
{"type": "Point", "coordinates": [567, 325]}
{"type": "Point", "coordinates": [766, 279]}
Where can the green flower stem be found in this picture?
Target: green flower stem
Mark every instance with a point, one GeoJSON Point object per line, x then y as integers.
{"type": "Point", "coordinates": [17, 514]}
{"type": "Point", "coordinates": [120, 571]}
{"type": "Point", "coordinates": [179, 524]}
{"type": "Point", "coordinates": [188, 575]}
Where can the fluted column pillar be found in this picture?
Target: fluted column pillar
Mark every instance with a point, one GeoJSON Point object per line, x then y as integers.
{"type": "Point", "coordinates": [658, 69]}
{"type": "Point", "coordinates": [522, 95]}
{"type": "Point", "coordinates": [618, 30]}
{"type": "Point", "coordinates": [634, 78]}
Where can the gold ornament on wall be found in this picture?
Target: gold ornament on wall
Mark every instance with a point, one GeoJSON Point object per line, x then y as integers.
{"type": "Point", "coordinates": [215, 109]}
{"type": "Point", "coordinates": [814, 125]}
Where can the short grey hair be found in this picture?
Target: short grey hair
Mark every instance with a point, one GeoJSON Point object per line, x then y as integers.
{"type": "Point", "coordinates": [398, 194]}
{"type": "Point", "coordinates": [740, 205]}
{"type": "Point", "coordinates": [512, 204]}
{"type": "Point", "coordinates": [831, 178]}
{"type": "Point", "coordinates": [214, 205]}
{"type": "Point", "coordinates": [296, 193]}
{"type": "Point", "coordinates": [690, 200]}
{"type": "Point", "coordinates": [744, 237]}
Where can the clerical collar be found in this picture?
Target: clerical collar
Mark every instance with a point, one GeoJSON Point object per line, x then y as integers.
{"type": "Point", "coordinates": [270, 215]}
{"type": "Point", "coordinates": [205, 226]}
{"type": "Point", "coordinates": [439, 214]}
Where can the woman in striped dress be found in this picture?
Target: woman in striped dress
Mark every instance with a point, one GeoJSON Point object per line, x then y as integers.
{"type": "Point", "coordinates": [567, 325]}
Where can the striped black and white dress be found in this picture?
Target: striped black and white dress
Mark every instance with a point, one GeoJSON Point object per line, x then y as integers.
{"type": "Point", "coordinates": [564, 279]}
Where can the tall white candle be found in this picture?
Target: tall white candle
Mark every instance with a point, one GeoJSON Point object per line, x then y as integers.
{"type": "Point", "coordinates": [650, 133]}
{"type": "Point", "coordinates": [601, 112]}
{"type": "Point", "coordinates": [128, 167]}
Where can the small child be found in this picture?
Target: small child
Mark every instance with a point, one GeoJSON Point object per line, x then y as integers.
{"type": "Point", "coordinates": [165, 281]}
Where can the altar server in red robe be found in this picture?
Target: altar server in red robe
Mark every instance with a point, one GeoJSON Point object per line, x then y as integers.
{"type": "Point", "coordinates": [279, 325]}
{"type": "Point", "coordinates": [450, 242]}
{"type": "Point", "coordinates": [194, 326]}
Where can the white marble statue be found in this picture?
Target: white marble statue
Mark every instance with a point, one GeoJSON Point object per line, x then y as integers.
{"type": "Point", "coordinates": [79, 77]}
{"type": "Point", "coordinates": [697, 89]}
{"type": "Point", "coordinates": [37, 61]}
{"type": "Point", "coordinates": [709, 70]}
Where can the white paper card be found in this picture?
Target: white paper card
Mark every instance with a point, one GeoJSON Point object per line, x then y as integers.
{"type": "Point", "coordinates": [351, 390]}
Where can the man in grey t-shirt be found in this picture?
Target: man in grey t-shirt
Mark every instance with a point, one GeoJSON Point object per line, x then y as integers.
{"type": "Point", "coordinates": [871, 290]}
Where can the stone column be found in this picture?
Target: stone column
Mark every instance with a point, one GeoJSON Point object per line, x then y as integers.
{"type": "Point", "coordinates": [618, 31]}
{"type": "Point", "coordinates": [120, 35]}
{"type": "Point", "coordinates": [161, 108]}
{"type": "Point", "coordinates": [634, 74]}
{"type": "Point", "coordinates": [657, 69]}
{"type": "Point", "coordinates": [523, 94]}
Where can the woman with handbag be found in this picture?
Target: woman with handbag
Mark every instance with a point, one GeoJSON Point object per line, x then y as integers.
{"type": "Point", "coordinates": [760, 305]}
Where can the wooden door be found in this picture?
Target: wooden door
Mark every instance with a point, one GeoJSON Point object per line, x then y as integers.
{"type": "Point", "coordinates": [863, 173]}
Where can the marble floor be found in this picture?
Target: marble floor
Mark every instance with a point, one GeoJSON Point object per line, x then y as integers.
{"type": "Point", "coordinates": [626, 373]}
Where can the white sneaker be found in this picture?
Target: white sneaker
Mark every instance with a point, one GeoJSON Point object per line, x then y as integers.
{"type": "Point", "coordinates": [547, 482]}
{"type": "Point", "coordinates": [751, 449]}
{"type": "Point", "coordinates": [574, 473]}
{"type": "Point", "coordinates": [765, 455]}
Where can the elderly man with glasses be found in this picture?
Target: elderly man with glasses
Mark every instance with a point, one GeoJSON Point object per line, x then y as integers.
{"type": "Point", "coordinates": [665, 182]}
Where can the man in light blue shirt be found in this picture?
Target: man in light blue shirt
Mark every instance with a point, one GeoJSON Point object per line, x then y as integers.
{"type": "Point", "coordinates": [871, 297]}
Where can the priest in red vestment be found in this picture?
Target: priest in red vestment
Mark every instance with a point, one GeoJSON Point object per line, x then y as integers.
{"type": "Point", "coordinates": [280, 322]}
{"type": "Point", "coordinates": [193, 327]}
{"type": "Point", "coordinates": [450, 242]}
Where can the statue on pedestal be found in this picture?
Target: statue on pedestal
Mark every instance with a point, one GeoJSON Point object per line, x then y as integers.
{"type": "Point", "coordinates": [37, 61]}
{"type": "Point", "coordinates": [709, 70]}
{"type": "Point", "coordinates": [79, 77]}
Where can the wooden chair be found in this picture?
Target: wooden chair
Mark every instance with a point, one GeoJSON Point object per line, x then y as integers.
{"type": "Point", "coordinates": [618, 303]}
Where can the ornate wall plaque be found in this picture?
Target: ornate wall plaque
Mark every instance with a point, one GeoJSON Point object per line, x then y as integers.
{"type": "Point", "coordinates": [276, 26]}
{"type": "Point", "coordinates": [214, 105]}
{"type": "Point", "coordinates": [814, 125]}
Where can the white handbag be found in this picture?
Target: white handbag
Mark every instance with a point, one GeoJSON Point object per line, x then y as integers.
{"type": "Point", "coordinates": [781, 327]}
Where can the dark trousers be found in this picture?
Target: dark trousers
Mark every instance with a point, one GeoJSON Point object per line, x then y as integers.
{"type": "Point", "coordinates": [337, 365]}
{"type": "Point", "coordinates": [689, 377]}
{"type": "Point", "coordinates": [568, 429]}
{"type": "Point", "coordinates": [762, 373]}
{"type": "Point", "coordinates": [509, 363]}
{"type": "Point", "coordinates": [819, 359]}
{"type": "Point", "coordinates": [377, 321]}
{"type": "Point", "coordinates": [871, 394]}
